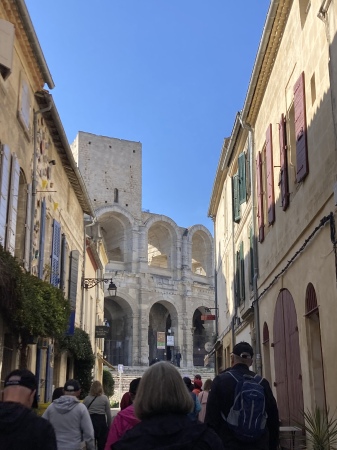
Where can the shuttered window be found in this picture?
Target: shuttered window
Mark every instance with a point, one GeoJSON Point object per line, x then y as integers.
{"type": "Point", "coordinates": [73, 277]}
{"type": "Point", "coordinates": [4, 190]}
{"type": "Point", "coordinates": [260, 212]}
{"type": "Point", "coordinates": [270, 176]}
{"type": "Point", "coordinates": [302, 164]}
{"type": "Point", "coordinates": [6, 47]}
{"type": "Point", "coordinates": [42, 238]}
{"type": "Point", "coordinates": [27, 227]}
{"type": "Point", "coordinates": [251, 257]}
{"type": "Point", "coordinates": [236, 202]}
{"type": "Point", "coordinates": [55, 254]}
{"type": "Point", "coordinates": [13, 205]}
{"type": "Point", "coordinates": [242, 178]}
{"type": "Point", "coordinates": [242, 274]}
{"type": "Point", "coordinates": [237, 279]}
{"type": "Point", "coordinates": [284, 180]}
{"type": "Point", "coordinates": [63, 262]}
{"type": "Point", "coordinates": [25, 106]}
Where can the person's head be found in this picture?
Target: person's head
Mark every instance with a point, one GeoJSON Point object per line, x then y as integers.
{"type": "Point", "coordinates": [21, 387]}
{"type": "Point", "coordinates": [96, 388]}
{"type": "Point", "coordinates": [242, 354]}
{"type": "Point", "coordinates": [72, 387]}
{"type": "Point", "coordinates": [58, 392]}
{"type": "Point", "coordinates": [162, 391]}
{"type": "Point", "coordinates": [208, 384]}
{"type": "Point", "coordinates": [134, 387]}
{"type": "Point", "coordinates": [197, 384]}
{"type": "Point", "coordinates": [197, 377]}
{"type": "Point", "coordinates": [188, 383]}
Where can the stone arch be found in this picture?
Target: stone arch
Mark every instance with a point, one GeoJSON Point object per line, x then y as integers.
{"type": "Point", "coordinates": [163, 318]}
{"type": "Point", "coordinates": [118, 345]}
{"type": "Point", "coordinates": [116, 226]}
{"type": "Point", "coordinates": [162, 235]}
{"type": "Point", "coordinates": [200, 250]}
{"type": "Point", "coordinates": [202, 331]}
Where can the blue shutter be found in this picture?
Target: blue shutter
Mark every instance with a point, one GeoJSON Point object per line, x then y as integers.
{"type": "Point", "coordinates": [55, 254]}
{"type": "Point", "coordinates": [4, 188]}
{"type": "Point", "coordinates": [73, 277]}
{"type": "Point", "coordinates": [63, 262]}
{"type": "Point", "coordinates": [71, 324]}
{"type": "Point", "coordinates": [42, 235]}
{"type": "Point", "coordinates": [13, 205]}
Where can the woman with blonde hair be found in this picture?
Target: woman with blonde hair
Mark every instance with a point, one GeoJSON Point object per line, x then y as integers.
{"type": "Point", "coordinates": [202, 397]}
{"type": "Point", "coordinates": [162, 404]}
{"type": "Point", "coordinates": [99, 409]}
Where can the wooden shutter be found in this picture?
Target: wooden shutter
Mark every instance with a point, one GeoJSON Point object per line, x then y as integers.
{"type": "Point", "coordinates": [25, 104]}
{"type": "Point", "coordinates": [302, 164]}
{"type": "Point", "coordinates": [242, 178]}
{"type": "Point", "coordinates": [27, 226]}
{"type": "Point", "coordinates": [270, 176]}
{"type": "Point", "coordinates": [42, 238]}
{"type": "Point", "coordinates": [242, 274]}
{"type": "Point", "coordinates": [55, 254]}
{"type": "Point", "coordinates": [4, 190]}
{"type": "Point", "coordinates": [251, 256]}
{"type": "Point", "coordinates": [236, 202]}
{"type": "Point", "coordinates": [73, 277]}
{"type": "Point", "coordinates": [13, 205]}
{"type": "Point", "coordinates": [237, 279]}
{"type": "Point", "coordinates": [63, 262]}
{"type": "Point", "coordinates": [260, 214]}
{"type": "Point", "coordinates": [284, 180]}
{"type": "Point", "coordinates": [6, 47]}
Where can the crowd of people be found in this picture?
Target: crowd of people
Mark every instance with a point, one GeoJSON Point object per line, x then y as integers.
{"type": "Point", "coordinates": [162, 410]}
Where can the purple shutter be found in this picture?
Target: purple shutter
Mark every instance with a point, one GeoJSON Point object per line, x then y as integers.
{"type": "Point", "coordinates": [284, 180]}
{"type": "Point", "coordinates": [302, 164]}
{"type": "Point", "coordinates": [270, 176]}
{"type": "Point", "coordinates": [259, 197]}
{"type": "Point", "coordinates": [55, 254]}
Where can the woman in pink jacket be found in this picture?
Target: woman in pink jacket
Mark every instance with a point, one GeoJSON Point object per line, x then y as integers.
{"type": "Point", "coordinates": [125, 419]}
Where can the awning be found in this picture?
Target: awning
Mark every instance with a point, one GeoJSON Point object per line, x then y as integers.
{"type": "Point", "coordinates": [106, 363]}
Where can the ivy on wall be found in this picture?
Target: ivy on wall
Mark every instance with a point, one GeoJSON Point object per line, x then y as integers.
{"type": "Point", "coordinates": [79, 347]}
{"type": "Point", "coordinates": [30, 306]}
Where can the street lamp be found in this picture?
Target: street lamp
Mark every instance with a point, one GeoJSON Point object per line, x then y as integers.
{"type": "Point", "coordinates": [89, 283]}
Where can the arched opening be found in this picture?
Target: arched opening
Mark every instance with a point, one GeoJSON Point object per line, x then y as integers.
{"type": "Point", "coordinates": [266, 353]}
{"type": "Point", "coordinates": [116, 231]}
{"type": "Point", "coordinates": [200, 253]}
{"type": "Point", "coordinates": [163, 333]}
{"type": "Point", "coordinates": [118, 344]}
{"type": "Point", "coordinates": [159, 246]}
{"type": "Point", "coordinates": [202, 331]}
{"type": "Point", "coordinates": [315, 358]}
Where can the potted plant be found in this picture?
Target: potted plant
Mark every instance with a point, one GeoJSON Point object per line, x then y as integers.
{"type": "Point", "coordinates": [321, 429]}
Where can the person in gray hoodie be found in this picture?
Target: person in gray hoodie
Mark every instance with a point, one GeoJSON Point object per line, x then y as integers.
{"type": "Point", "coordinates": [71, 420]}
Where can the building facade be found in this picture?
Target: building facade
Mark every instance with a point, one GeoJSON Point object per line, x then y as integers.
{"type": "Point", "coordinates": [163, 272]}
{"type": "Point", "coordinates": [289, 119]}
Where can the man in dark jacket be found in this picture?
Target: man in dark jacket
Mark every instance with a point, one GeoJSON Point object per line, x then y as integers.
{"type": "Point", "coordinates": [20, 427]}
{"type": "Point", "coordinates": [221, 399]}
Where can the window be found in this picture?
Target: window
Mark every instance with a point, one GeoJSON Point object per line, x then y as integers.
{"type": "Point", "coordinates": [283, 182]}
{"type": "Point", "coordinates": [240, 276]}
{"type": "Point", "coordinates": [260, 211]}
{"type": "Point", "coordinates": [236, 200]}
{"type": "Point", "coordinates": [242, 178]}
{"type": "Point", "coordinates": [302, 164]}
{"type": "Point", "coordinates": [269, 169]}
{"type": "Point", "coordinates": [6, 47]}
{"type": "Point", "coordinates": [24, 110]}
{"type": "Point", "coordinates": [115, 195]}
{"type": "Point", "coordinates": [251, 257]}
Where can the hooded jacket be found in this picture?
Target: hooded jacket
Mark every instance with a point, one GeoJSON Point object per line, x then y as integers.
{"type": "Point", "coordinates": [124, 421]}
{"type": "Point", "coordinates": [169, 432]}
{"type": "Point", "coordinates": [72, 423]}
{"type": "Point", "coordinates": [20, 428]}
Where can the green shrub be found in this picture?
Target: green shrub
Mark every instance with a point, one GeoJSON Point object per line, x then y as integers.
{"type": "Point", "coordinates": [108, 383]}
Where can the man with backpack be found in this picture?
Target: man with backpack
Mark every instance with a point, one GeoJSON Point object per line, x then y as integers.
{"type": "Point", "coordinates": [241, 407]}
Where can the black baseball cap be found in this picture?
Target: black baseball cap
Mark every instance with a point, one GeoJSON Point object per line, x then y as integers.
{"type": "Point", "coordinates": [243, 349]}
{"type": "Point", "coordinates": [72, 386]}
{"type": "Point", "coordinates": [25, 378]}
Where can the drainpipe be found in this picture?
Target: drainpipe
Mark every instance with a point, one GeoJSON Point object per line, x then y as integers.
{"type": "Point", "coordinates": [258, 360]}
{"type": "Point", "coordinates": [34, 182]}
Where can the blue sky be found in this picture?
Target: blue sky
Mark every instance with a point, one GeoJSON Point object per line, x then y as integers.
{"type": "Point", "coordinates": [169, 73]}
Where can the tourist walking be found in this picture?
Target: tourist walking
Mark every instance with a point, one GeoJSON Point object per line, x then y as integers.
{"type": "Point", "coordinates": [232, 394]}
{"type": "Point", "coordinates": [162, 404]}
{"type": "Point", "coordinates": [202, 397]}
{"type": "Point", "coordinates": [70, 419]}
{"type": "Point", "coordinates": [193, 415]}
{"type": "Point", "coordinates": [100, 413]}
{"type": "Point", "coordinates": [20, 427]}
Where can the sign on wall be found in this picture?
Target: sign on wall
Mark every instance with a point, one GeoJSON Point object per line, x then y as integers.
{"type": "Point", "coordinates": [170, 341]}
{"type": "Point", "coordinates": [161, 340]}
{"type": "Point", "coordinates": [101, 331]}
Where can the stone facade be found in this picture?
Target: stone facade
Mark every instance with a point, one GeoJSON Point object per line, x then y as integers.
{"type": "Point", "coordinates": [163, 272]}
{"type": "Point", "coordinates": [289, 119]}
